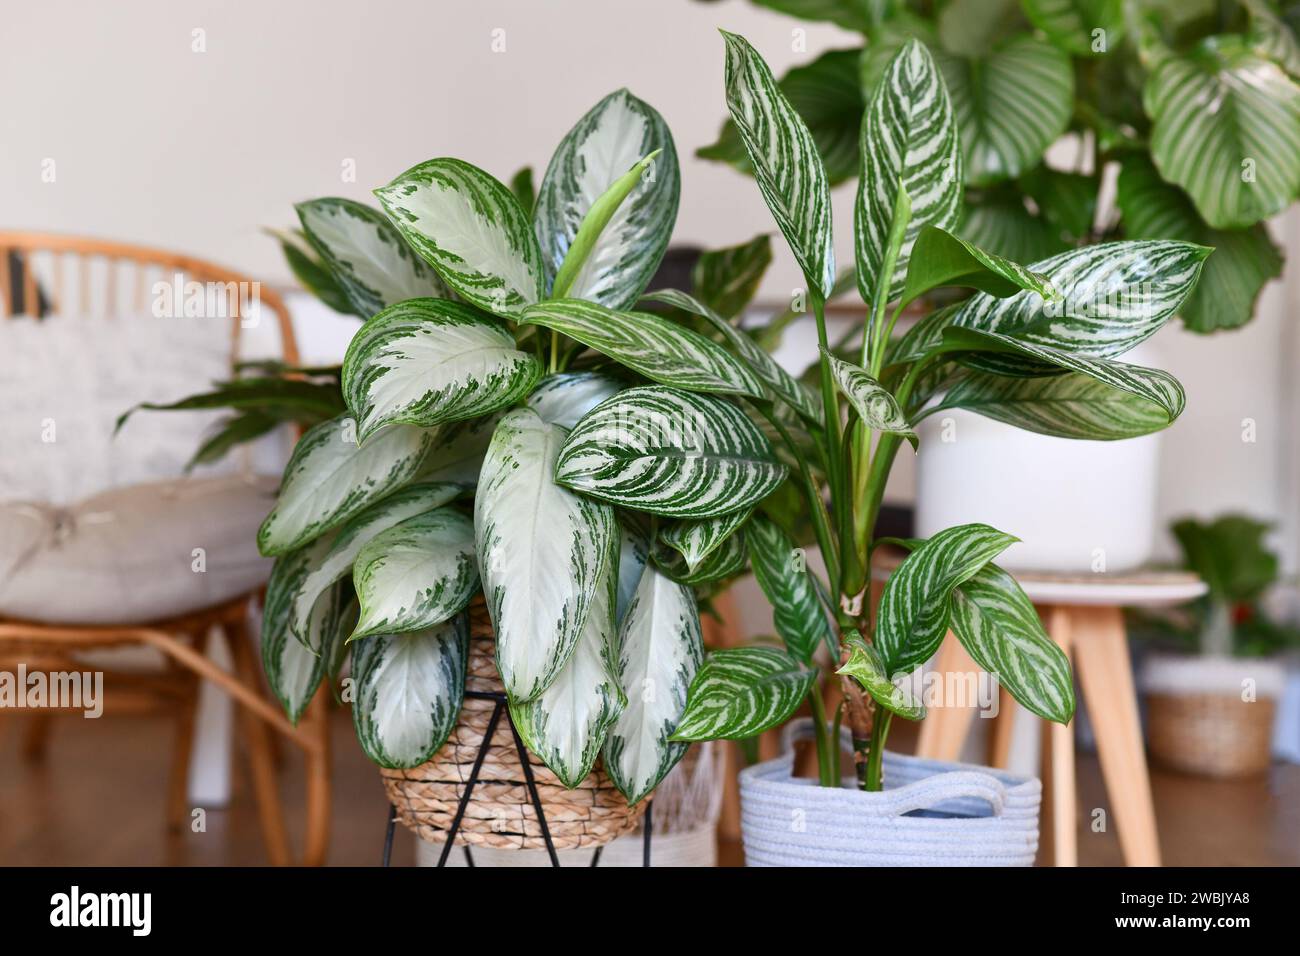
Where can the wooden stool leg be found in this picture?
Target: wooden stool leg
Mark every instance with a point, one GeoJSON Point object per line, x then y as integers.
{"type": "Point", "coordinates": [944, 729]}
{"type": "Point", "coordinates": [36, 736]}
{"type": "Point", "coordinates": [1060, 796]}
{"type": "Point", "coordinates": [316, 722]}
{"type": "Point", "coordinates": [178, 783]}
{"type": "Point", "coordinates": [1003, 729]}
{"type": "Point", "coordinates": [1106, 678]}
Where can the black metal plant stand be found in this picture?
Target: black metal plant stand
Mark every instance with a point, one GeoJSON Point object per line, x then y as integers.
{"type": "Point", "coordinates": [500, 707]}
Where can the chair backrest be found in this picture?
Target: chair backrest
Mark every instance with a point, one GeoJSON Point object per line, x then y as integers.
{"type": "Point", "coordinates": [73, 274]}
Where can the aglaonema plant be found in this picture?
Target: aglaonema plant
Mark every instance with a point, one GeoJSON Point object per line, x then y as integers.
{"type": "Point", "coordinates": [1036, 347]}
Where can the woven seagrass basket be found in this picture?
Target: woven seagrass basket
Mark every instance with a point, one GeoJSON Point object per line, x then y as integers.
{"type": "Point", "coordinates": [1215, 735]}
{"type": "Point", "coordinates": [500, 813]}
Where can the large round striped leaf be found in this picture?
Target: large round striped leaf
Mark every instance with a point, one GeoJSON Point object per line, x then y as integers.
{"type": "Point", "coordinates": [470, 228]}
{"type": "Point", "coordinates": [429, 361]}
{"type": "Point", "coordinates": [741, 692]}
{"type": "Point", "coordinates": [696, 540]}
{"type": "Point", "coordinates": [348, 541]}
{"type": "Point", "coordinates": [649, 344]}
{"type": "Point", "coordinates": [785, 160]}
{"type": "Point", "coordinates": [1000, 222]}
{"type": "Point", "coordinates": [914, 608]}
{"type": "Point", "coordinates": [612, 138]}
{"type": "Point", "coordinates": [781, 572]}
{"type": "Point", "coordinates": [853, 15]}
{"type": "Point", "coordinates": [416, 574]}
{"type": "Point", "coordinates": [1112, 297]}
{"type": "Point", "coordinates": [1010, 105]}
{"type": "Point", "coordinates": [875, 404]}
{"type": "Point", "coordinates": [564, 399]}
{"type": "Point", "coordinates": [909, 142]}
{"type": "Point", "coordinates": [565, 725]}
{"type": "Point", "coordinates": [330, 478]}
{"type": "Point", "coordinates": [366, 255]}
{"type": "Point", "coordinates": [867, 667]}
{"type": "Point", "coordinates": [669, 452]}
{"type": "Point", "coordinates": [1074, 25]}
{"type": "Point", "coordinates": [1226, 128]}
{"type": "Point", "coordinates": [659, 651]}
{"type": "Point", "coordinates": [1243, 262]}
{"type": "Point", "coordinates": [409, 689]}
{"type": "Point", "coordinates": [543, 552]}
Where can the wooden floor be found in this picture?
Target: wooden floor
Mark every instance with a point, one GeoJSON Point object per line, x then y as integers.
{"type": "Point", "coordinates": [98, 800]}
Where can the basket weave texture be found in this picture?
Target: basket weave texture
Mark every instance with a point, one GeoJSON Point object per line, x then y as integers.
{"type": "Point", "coordinates": [1215, 735]}
{"type": "Point", "coordinates": [500, 813]}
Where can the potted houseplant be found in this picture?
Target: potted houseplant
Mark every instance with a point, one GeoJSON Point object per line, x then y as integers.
{"type": "Point", "coordinates": [1130, 83]}
{"type": "Point", "coordinates": [1213, 684]}
{"type": "Point", "coordinates": [1025, 349]}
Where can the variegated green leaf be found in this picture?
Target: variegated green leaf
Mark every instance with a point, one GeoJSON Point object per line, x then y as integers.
{"type": "Point", "coordinates": [1079, 27]}
{"type": "Point", "coordinates": [659, 651]}
{"type": "Point", "coordinates": [409, 689]}
{"type": "Point", "coordinates": [633, 556]}
{"type": "Point", "coordinates": [367, 256]}
{"type": "Point", "coordinates": [565, 725]}
{"type": "Point", "coordinates": [649, 344]}
{"type": "Point", "coordinates": [874, 403]}
{"type": "Point", "coordinates": [781, 572]}
{"type": "Point", "coordinates": [336, 563]}
{"type": "Point", "coordinates": [608, 141]}
{"type": "Point", "coordinates": [909, 141]}
{"type": "Point", "coordinates": [1113, 296]}
{"type": "Point", "coordinates": [1000, 222]}
{"type": "Point", "coordinates": [725, 562]}
{"type": "Point", "coordinates": [1272, 37]}
{"type": "Point", "coordinates": [470, 228]}
{"type": "Point", "coordinates": [942, 259]}
{"type": "Point", "coordinates": [866, 666]}
{"type": "Point", "coordinates": [292, 669]}
{"type": "Point", "coordinates": [998, 626]}
{"type": "Point", "coordinates": [458, 450]}
{"type": "Point", "coordinates": [564, 399]}
{"type": "Point", "coordinates": [521, 187]}
{"type": "Point", "coordinates": [1226, 128]}
{"type": "Point", "coordinates": [418, 573]}
{"type": "Point", "coordinates": [696, 540]}
{"type": "Point", "coordinates": [430, 361]}
{"type": "Point", "coordinates": [312, 272]}
{"type": "Point", "coordinates": [671, 453]}
{"type": "Point", "coordinates": [914, 608]}
{"type": "Point", "coordinates": [543, 552]}
{"type": "Point", "coordinates": [760, 362]}
{"type": "Point", "coordinates": [330, 478]}
{"type": "Point", "coordinates": [742, 692]}
{"type": "Point", "coordinates": [727, 279]}
{"type": "Point", "coordinates": [1010, 105]}
{"type": "Point", "coordinates": [786, 164]}
{"type": "Point", "coordinates": [1066, 406]}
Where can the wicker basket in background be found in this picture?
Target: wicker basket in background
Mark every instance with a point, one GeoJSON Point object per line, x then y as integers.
{"type": "Point", "coordinates": [1215, 735]}
{"type": "Point", "coordinates": [500, 813]}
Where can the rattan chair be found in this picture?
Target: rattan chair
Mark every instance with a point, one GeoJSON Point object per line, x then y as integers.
{"type": "Point", "coordinates": [88, 277]}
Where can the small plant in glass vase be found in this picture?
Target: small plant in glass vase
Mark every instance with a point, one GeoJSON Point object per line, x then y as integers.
{"type": "Point", "coordinates": [1036, 346]}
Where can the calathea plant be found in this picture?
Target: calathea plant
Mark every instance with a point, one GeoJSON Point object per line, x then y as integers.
{"type": "Point", "coordinates": [1035, 346]}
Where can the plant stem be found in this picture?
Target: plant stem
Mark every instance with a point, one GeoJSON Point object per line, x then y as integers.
{"type": "Point", "coordinates": [555, 350]}
{"type": "Point", "coordinates": [879, 732]}
{"type": "Point", "coordinates": [825, 759]}
{"type": "Point", "coordinates": [816, 506]}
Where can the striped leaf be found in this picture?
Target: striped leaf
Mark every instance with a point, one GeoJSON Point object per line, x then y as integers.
{"type": "Point", "coordinates": [1272, 38]}
{"type": "Point", "coordinates": [611, 139]}
{"type": "Point", "coordinates": [565, 725]}
{"type": "Point", "coordinates": [784, 157]}
{"type": "Point", "coordinates": [429, 361]}
{"type": "Point", "coordinates": [741, 692]}
{"type": "Point", "coordinates": [1010, 105]}
{"type": "Point", "coordinates": [336, 563]}
{"type": "Point", "coordinates": [659, 652]}
{"type": "Point", "coordinates": [909, 141]}
{"type": "Point", "coordinates": [1072, 24]}
{"type": "Point", "coordinates": [565, 398]}
{"type": "Point", "coordinates": [1113, 296]}
{"type": "Point", "coordinates": [458, 450]}
{"type": "Point", "coordinates": [418, 573]}
{"type": "Point", "coordinates": [942, 259]}
{"type": "Point", "coordinates": [292, 669]}
{"type": "Point", "coordinates": [366, 255]}
{"type": "Point", "coordinates": [1001, 223]}
{"type": "Point", "coordinates": [998, 626]}
{"type": "Point", "coordinates": [781, 572]}
{"type": "Point", "coordinates": [649, 344]}
{"type": "Point", "coordinates": [874, 403]}
{"type": "Point", "coordinates": [727, 279]}
{"type": "Point", "coordinates": [914, 608]}
{"type": "Point", "coordinates": [543, 552]}
{"type": "Point", "coordinates": [1226, 128]}
{"type": "Point", "coordinates": [867, 667]}
{"type": "Point", "coordinates": [696, 540]}
{"type": "Point", "coordinates": [759, 361]}
{"type": "Point", "coordinates": [311, 271]}
{"type": "Point", "coordinates": [633, 555]}
{"type": "Point", "coordinates": [470, 228]}
{"type": "Point", "coordinates": [671, 453]}
{"type": "Point", "coordinates": [1243, 262]}
{"type": "Point", "coordinates": [330, 478]}
{"type": "Point", "coordinates": [725, 562]}
{"type": "Point", "coordinates": [409, 689]}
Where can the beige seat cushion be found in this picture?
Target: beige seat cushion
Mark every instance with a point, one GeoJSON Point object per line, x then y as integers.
{"type": "Point", "coordinates": [136, 554]}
